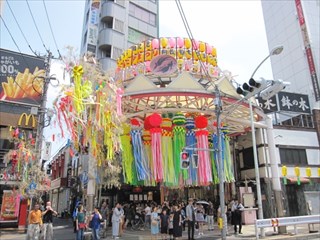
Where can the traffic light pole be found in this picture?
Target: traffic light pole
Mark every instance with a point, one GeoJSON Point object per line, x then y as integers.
{"type": "Point", "coordinates": [256, 167]}
{"type": "Point", "coordinates": [218, 109]}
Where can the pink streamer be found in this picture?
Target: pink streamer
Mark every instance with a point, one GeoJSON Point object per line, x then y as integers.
{"type": "Point", "coordinates": [204, 166]}
{"type": "Point", "coordinates": [156, 153]}
{"type": "Point", "coordinates": [119, 101]}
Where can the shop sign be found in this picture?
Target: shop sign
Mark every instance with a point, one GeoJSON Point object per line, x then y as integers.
{"type": "Point", "coordinates": [9, 207]}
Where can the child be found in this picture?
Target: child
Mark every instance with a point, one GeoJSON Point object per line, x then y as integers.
{"type": "Point", "coordinates": [170, 226]}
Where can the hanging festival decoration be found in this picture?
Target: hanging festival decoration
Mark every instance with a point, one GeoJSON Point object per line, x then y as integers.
{"type": "Point", "coordinates": [191, 142]}
{"type": "Point", "coordinates": [138, 150]}
{"type": "Point", "coordinates": [155, 121]}
{"type": "Point", "coordinates": [204, 165]}
{"type": "Point", "coordinates": [167, 151]}
{"type": "Point", "coordinates": [179, 142]}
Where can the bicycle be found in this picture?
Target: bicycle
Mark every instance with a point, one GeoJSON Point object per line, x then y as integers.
{"type": "Point", "coordinates": [138, 223]}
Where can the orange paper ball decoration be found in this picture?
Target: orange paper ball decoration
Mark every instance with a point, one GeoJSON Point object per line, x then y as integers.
{"type": "Point", "coordinates": [201, 122]}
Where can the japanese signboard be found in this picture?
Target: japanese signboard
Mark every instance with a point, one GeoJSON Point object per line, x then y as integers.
{"type": "Point", "coordinates": [285, 101]}
{"type": "Point", "coordinates": [21, 77]}
{"type": "Point", "coordinates": [10, 206]}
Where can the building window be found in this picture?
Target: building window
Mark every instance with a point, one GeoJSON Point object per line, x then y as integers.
{"type": "Point", "coordinates": [248, 159]}
{"type": "Point", "coordinates": [142, 14]}
{"type": "Point", "coordinates": [87, 17]}
{"type": "Point", "coordinates": [293, 156]}
{"type": "Point", "coordinates": [116, 53]}
{"type": "Point", "coordinates": [118, 25]}
{"type": "Point", "coordinates": [136, 37]}
{"type": "Point", "coordinates": [106, 52]}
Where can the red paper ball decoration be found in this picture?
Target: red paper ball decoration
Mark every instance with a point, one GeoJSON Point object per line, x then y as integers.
{"type": "Point", "coordinates": [201, 122]}
{"type": "Point", "coordinates": [147, 125]}
{"type": "Point", "coordinates": [155, 120]}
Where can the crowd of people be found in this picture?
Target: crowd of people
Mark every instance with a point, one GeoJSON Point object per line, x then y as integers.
{"type": "Point", "coordinates": [167, 220]}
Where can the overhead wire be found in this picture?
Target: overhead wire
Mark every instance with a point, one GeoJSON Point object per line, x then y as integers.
{"type": "Point", "coordinates": [36, 26]}
{"type": "Point", "coordinates": [190, 35]}
{"type": "Point", "coordinates": [54, 39]}
{"type": "Point", "coordinates": [20, 28]}
{"type": "Point", "coordinates": [22, 57]}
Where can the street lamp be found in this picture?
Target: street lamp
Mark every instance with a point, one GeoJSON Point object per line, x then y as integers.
{"type": "Point", "coordinates": [274, 51]}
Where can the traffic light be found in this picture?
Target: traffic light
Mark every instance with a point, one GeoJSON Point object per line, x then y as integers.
{"type": "Point", "coordinates": [49, 169]}
{"type": "Point", "coordinates": [265, 88]}
{"type": "Point", "coordinates": [252, 87]}
{"type": "Point", "coordinates": [195, 161]}
{"type": "Point", "coordinates": [273, 89]}
{"type": "Point", "coordinates": [184, 160]}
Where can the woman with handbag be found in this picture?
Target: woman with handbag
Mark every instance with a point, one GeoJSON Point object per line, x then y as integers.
{"type": "Point", "coordinates": [80, 223]}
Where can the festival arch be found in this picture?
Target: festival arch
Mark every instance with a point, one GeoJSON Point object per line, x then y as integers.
{"type": "Point", "coordinates": [169, 99]}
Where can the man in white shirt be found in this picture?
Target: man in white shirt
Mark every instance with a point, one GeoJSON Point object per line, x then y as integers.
{"type": "Point", "coordinates": [147, 217]}
{"type": "Point", "coordinates": [236, 211]}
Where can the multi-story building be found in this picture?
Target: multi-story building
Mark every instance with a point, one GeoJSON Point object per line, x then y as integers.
{"type": "Point", "coordinates": [295, 25]}
{"type": "Point", "coordinates": [296, 115]}
{"type": "Point", "coordinates": [111, 26]}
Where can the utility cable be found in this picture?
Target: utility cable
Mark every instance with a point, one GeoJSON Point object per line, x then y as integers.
{"type": "Point", "coordinates": [190, 35]}
{"type": "Point", "coordinates": [54, 39]}
{"type": "Point", "coordinates": [20, 28]}
{"type": "Point", "coordinates": [36, 27]}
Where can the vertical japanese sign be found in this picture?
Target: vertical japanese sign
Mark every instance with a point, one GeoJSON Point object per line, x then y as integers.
{"type": "Point", "coordinates": [93, 26]}
{"type": "Point", "coordinates": [10, 206]}
{"type": "Point", "coordinates": [47, 151]}
{"type": "Point", "coordinates": [307, 46]}
{"type": "Point", "coordinates": [21, 77]}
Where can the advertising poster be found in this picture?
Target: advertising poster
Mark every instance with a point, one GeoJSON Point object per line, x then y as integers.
{"type": "Point", "coordinates": [9, 207]}
{"type": "Point", "coordinates": [21, 77]}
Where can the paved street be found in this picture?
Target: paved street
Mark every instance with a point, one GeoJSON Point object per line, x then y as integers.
{"type": "Point", "coordinates": [63, 230]}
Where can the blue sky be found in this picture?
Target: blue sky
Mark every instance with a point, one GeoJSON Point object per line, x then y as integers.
{"type": "Point", "coordinates": [235, 28]}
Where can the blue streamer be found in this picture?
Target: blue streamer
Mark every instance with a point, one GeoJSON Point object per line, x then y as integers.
{"type": "Point", "coordinates": [191, 141]}
{"type": "Point", "coordinates": [139, 156]}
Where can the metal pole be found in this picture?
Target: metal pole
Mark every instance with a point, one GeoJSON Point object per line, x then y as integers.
{"type": "Point", "coordinates": [276, 184]}
{"type": "Point", "coordinates": [221, 168]}
{"type": "Point", "coordinates": [41, 113]}
{"type": "Point", "coordinates": [256, 167]}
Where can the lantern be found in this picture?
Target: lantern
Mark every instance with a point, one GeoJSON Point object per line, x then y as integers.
{"type": "Point", "coordinates": [297, 172]}
{"type": "Point", "coordinates": [308, 172]}
{"type": "Point", "coordinates": [284, 174]}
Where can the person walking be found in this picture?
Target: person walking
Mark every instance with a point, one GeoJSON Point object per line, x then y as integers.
{"type": "Point", "coordinates": [35, 222]}
{"type": "Point", "coordinates": [81, 225]}
{"type": "Point", "coordinates": [116, 218]}
{"type": "Point", "coordinates": [200, 218]}
{"type": "Point", "coordinates": [236, 211]}
{"type": "Point", "coordinates": [164, 223]}
{"type": "Point", "coordinates": [210, 217]}
{"type": "Point", "coordinates": [190, 217]}
{"type": "Point", "coordinates": [177, 223]}
{"type": "Point", "coordinates": [147, 216]}
{"type": "Point", "coordinates": [154, 223]}
{"type": "Point", "coordinates": [95, 219]}
{"type": "Point", "coordinates": [47, 219]}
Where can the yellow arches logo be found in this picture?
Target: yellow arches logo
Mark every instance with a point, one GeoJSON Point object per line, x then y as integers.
{"type": "Point", "coordinates": [27, 120]}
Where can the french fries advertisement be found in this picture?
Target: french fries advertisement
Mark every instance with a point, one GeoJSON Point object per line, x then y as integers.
{"type": "Point", "coordinates": [22, 77]}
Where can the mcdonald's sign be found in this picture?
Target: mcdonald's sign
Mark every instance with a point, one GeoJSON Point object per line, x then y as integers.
{"type": "Point", "coordinates": [27, 120]}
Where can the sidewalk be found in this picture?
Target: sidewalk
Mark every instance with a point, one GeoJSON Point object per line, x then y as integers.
{"type": "Point", "coordinates": [65, 232]}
